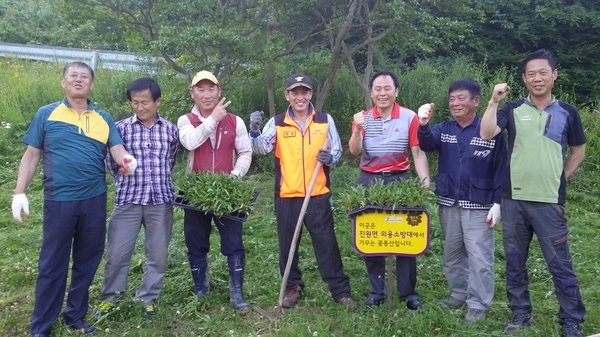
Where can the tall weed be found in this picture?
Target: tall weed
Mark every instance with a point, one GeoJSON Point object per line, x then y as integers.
{"type": "Point", "coordinates": [24, 87]}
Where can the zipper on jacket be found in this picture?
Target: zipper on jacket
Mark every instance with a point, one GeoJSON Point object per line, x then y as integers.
{"type": "Point", "coordinates": [460, 157]}
{"type": "Point", "coordinates": [213, 156]}
{"type": "Point", "coordinates": [547, 126]}
{"type": "Point", "coordinates": [303, 166]}
{"type": "Point", "coordinates": [213, 161]}
{"type": "Point", "coordinates": [219, 136]}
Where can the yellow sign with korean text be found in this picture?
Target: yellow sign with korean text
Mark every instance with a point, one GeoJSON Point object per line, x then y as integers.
{"type": "Point", "coordinates": [401, 232]}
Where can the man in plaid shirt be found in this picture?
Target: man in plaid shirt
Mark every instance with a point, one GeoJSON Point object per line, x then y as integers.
{"type": "Point", "coordinates": [144, 198]}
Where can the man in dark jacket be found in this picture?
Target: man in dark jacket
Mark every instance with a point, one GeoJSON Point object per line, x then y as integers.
{"type": "Point", "coordinates": [470, 174]}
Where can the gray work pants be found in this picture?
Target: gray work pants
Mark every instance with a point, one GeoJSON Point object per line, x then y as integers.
{"type": "Point", "coordinates": [468, 255]}
{"type": "Point", "coordinates": [123, 229]}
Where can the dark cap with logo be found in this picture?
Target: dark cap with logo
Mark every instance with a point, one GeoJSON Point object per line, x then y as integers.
{"type": "Point", "coordinates": [298, 80]}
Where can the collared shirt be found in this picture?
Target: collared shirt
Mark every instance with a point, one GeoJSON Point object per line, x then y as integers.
{"type": "Point", "coordinates": [192, 137]}
{"type": "Point", "coordinates": [73, 148]}
{"type": "Point", "coordinates": [470, 170]}
{"type": "Point", "coordinates": [155, 149]}
{"type": "Point", "coordinates": [386, 141]}
{"type": "Point", "coordinates": [537, 148]}
{"type": "Point", "coordinates": [296, 148]}
{"type": "Point", "coordinates": [263, 143]}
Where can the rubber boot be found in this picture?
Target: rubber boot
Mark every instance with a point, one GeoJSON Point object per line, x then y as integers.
{"type": "Point", "coordinates": [236, 282]}
{"type": "Point", "coordinates": [199, 268]}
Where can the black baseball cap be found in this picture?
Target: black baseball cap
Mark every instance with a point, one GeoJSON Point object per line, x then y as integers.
{"type": "Point", "coordinates": [298, 80]}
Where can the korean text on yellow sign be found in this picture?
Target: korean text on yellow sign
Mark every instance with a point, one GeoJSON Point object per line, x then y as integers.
{"type": "Point", "coordinates": [404, 233]}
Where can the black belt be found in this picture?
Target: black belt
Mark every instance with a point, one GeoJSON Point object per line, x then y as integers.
{"type": "Point", "coordinates": [388, 173]}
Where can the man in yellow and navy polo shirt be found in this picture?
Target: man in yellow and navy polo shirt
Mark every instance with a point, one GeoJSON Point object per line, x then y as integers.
{"type": "Point", "coordinates": [73, 137]}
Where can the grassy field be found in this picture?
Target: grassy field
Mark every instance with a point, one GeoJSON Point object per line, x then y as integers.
{"type": "Point", "coordinates": [181, 314]}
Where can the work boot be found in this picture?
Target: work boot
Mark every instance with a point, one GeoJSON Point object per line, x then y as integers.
{"type": "Point", "coordinates": [236, 282]}
{"type": "Point", "coordinates": [199, 268]}
{"type": "Point", "coordinates": [452, 302]}
{"type": "Point", "coordinates": [292, 296]}
{"type": "Point", "coordinates": [475, 314]}
{"type": "Point", "coordinates": [517, 322]}
{"type": "Point", "coordinates": [570, 331]}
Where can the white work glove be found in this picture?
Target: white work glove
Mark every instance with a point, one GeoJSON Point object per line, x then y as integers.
{"type": "Point", "coordinates": [129, 165]}
{"type": "Point", "coordinates": [424, 113]}
{"type": "Point", "coordinates": [494, 215]}
{"type": "Point", "coordinates": [20, 203]}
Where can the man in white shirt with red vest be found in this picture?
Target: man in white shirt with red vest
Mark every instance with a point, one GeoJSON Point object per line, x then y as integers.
{"type": "Point", "coordinates": [217, 141]}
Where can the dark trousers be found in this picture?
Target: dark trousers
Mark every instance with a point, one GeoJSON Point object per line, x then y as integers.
{"type": "Point", "coordinates": [197, 227]}
{"type": "Point", "coordinates": [319, 223]}
{"type": "Point", "coordinates": [520, 220]}
{"type": "Point", "coordinates": [406, 277]}
{"type": "Point", "coordinates": [80, 225]}
{"type": "Point", "coordinates": [406, 267]}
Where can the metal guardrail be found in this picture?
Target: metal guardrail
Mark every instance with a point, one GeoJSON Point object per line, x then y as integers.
{"type": "Point", "coordinates": [95, 58]}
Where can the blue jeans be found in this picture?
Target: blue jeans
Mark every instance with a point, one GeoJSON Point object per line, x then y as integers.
{"type": "Point", "coordinates": [548, 221]}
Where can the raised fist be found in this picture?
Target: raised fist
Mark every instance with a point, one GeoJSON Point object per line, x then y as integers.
{"type": "Point", "coordinates": [425, 112]}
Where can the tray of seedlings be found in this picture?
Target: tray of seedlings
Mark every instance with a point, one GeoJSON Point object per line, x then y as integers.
{"type": "Point", "coordinates": [216, 193]}
{"type": "Point", "coordinates": [405, 195]}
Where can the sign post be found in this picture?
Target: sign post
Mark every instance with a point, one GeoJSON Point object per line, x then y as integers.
{"type": "Point", "coordinates": [387, 231]}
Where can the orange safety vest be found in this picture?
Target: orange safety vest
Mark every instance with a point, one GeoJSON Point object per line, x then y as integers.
{"type": "Point", "coordinates": [296, 155]}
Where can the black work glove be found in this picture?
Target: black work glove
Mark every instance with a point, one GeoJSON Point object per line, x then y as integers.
{"type": "Point", "coordinates": [325, 156]}
{"type": "Point", "coordinates": [256, 121]}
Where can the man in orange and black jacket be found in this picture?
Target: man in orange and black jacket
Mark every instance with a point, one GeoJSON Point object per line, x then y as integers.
{"type": "Point", "coordinates": [301, 136]}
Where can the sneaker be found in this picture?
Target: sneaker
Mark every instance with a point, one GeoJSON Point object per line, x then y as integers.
{"type": "Point", "coordinates": [149, 310]}
{"type": "Point", "coordinates": [104, 308]}
{"type": "Point", "coordinates": [292, 296]}
{"type": "Point", "coordinates": [570, 331]}
{"type": "Point", "coordinates": [517, 322]}
{"type": "Point", "coordinates": [475, 314]}
{"type": "Point", "coordinates": [347, 301]}
{"type": "Point", "coordinates": [452, 302]}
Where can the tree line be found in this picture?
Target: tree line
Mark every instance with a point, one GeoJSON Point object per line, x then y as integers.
{"type": "Point", "coordinates": [250, 42]}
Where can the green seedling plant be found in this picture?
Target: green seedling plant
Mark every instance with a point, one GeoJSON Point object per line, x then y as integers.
{"type": "Point", "coordinates": [400, 193]}
{"type": "Point", "coordinates": [377, 193]}
{"type": "Point", "coordinates": [217, 193]}
{"type": "Point", "coordinates": [354, 198]}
